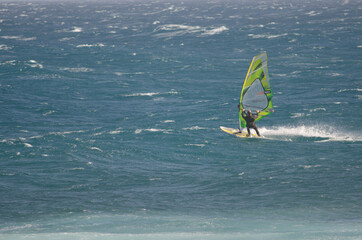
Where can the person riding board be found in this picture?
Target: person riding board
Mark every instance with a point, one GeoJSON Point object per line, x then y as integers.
{"type": "Point", "coordinates": [250, 120]}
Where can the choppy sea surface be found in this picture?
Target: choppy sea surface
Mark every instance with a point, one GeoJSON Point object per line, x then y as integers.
{"type": "Point", "coordinates": [110, 115]}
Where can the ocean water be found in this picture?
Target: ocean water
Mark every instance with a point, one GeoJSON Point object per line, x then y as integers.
{"type": "Point", "coordinates": [110, 115]}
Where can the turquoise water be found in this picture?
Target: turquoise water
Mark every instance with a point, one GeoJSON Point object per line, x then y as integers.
{"type": "Point", "coordinates": [110, 115]}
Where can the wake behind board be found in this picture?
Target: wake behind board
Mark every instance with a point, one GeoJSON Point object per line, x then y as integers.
{"type": "Point", "coordinates": [236, 132]}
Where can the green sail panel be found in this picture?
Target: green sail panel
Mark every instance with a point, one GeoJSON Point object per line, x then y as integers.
{"type": "Point", "coordinates": [256, 93]}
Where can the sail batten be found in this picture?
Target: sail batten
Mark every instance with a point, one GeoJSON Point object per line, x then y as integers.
{"type": "Point", "coordinates": [256, 93]}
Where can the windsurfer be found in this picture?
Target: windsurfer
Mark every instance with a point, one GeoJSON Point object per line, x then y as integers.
{"type": "Point", "coordinates": [250, 120]}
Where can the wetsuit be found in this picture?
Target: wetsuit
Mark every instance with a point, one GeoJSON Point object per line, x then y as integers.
{"type": "Point", "coordinates": [250, 122]}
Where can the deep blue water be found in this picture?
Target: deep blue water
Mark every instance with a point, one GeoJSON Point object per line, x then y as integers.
{"type": "Point", "coordinates": [110, 115]}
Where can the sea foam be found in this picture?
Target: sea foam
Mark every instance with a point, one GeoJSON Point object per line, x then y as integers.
{"type": "Point", "coordinates": [318, 132]}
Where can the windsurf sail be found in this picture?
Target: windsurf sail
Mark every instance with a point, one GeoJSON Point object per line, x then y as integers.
{"type": "Point", "coordinates": [256, 93]}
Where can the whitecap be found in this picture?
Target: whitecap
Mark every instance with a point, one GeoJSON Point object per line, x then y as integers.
{"type": "Point", "coordinates": [34, 64]}
{"type": "Point", "coordinates": [280, 75]}
{"type": "Point", "coordinates": [215, 31]}
{"type": "Point", "coordinates": [268, 36]}
{"type": "Point", "coordinates": [167, 131]}
{"type": "Point", "coordinates": [149, 94]}
{"type": "Point", "coordinates": [309, 166]}
{"type": "Point", "coordinates": [317, 109]}
{"type": "Point", "coordinates": [20, 38]}
{"type": "Point", "coordinates": [256, 26]}
{"type": "Point", "coordinates": [28, 39]}
{"type": "Point", "coordinates": [123, 73]}
{"type": "Point", "coordinates": [173, 30]}
{"type": "Point", "coordinates": [90, 45]}
{"type": "Point", "coordinates": [350, 90]}
{"type": "Point", "coordinates": [158, 130]}
{"type": "Point", "coordinates": [155, 179]}
{"type": "Point", "coordinates": [197, 145]}
{"type": "Point", "coordinates": [194, 128]}
{"type": "Point", "coordinates": [76, 30]}
{"type": "Point", "coordinates": [66, 39]}
{"type": "Point", "coordinates": [297, 115]}
{"type": "Point", "coordinates": [77, 70]}
{"type": "Point", "coordinates": [76, 168]}
{"type": "Point", "coordinates": [28, 145]}
{"type": "Point", "coordinates": [98, 133]}
{"type": "Point", "coordinates": [48, 112]}
{"type": "Point", "coordinates": [10, 37]}
{"type": "Point", "coordinates": [4, 47]}
{"type": "Point", "coordinates": [17, 228]}
{"type": "Point", "coordinates": [168, 121]}
{"type": "Point", "coordinates": [313, 13]}
{"type": "Point", "coordinates": [115, 132]}
{"type": "Point", "coordinates": [95, 148]}
{"type": "Point", "coordinates": [10, 62]}
{"type": "Point", "coordinates": [66, 132]}
{"type": "Point", "coordinates": [212, 118]}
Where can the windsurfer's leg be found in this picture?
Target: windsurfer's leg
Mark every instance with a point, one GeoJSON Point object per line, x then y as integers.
{"type": "Point", "coordinates": [248, 131]}
{"type": "Point", "coordinates": [257, 131]}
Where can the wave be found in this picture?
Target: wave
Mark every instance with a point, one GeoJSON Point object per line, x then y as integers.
{"type": "Point", "coordinates": [20, 38]}
{"type": "Point", "coordinates": [77, 70]}
{"type": "Point", "coordinates": [90, 45]}
{"type": "Point", "coordinates": [4, 47]}
{"type": "Point", "coordinates": [149, 94]}
{"type": "Point", "coordinates": [168, 121]}
{"type": "Point", "coordinates": [319, 133]}
{"type": "Point", "coordinates": [215, 31]}
{"type": "Point", "coordinates": [174, 30]}
{"type": "Point", "coordinates": [28, 145]}
{"type": "Point", "coordinates": [128, 73]}
{"type": "Point", "coordinates": [34, 64]}
{"type": "Point", "coordinates": [350, 90]}
{"type": "Point", "coordinates": [168, 131]}
{"type": "Point", "coordinates": [195, 145]}
{"type": "Point", "coordinates": [194, 128]}
{"type": "Point", "coordinates": [313, 13]}
{"type": "Point", "coordinates": [66, 39]}
{"type": "Point", "coordinates": [97, 149]}
{"type": "Point", "coordinates": [268, 36]}
{"type": "Point", "coordinates": [76, 30]}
